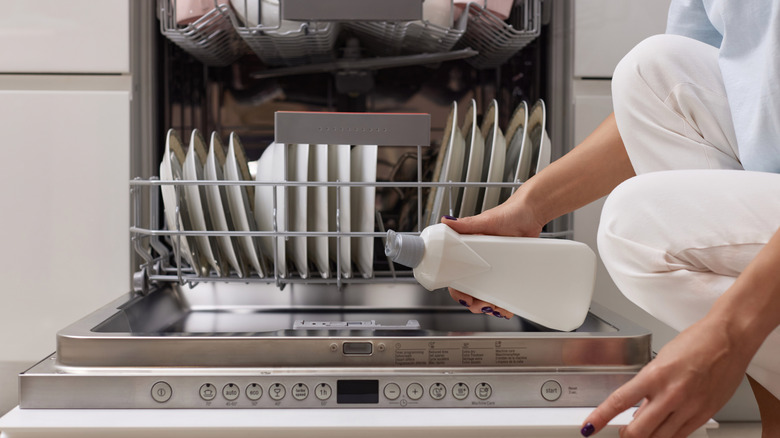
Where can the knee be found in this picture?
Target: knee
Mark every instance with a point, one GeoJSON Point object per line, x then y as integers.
{"type": "Point", "coordinates": [627, 220]}
{"type": "Point", "coordinates": [647, 60]}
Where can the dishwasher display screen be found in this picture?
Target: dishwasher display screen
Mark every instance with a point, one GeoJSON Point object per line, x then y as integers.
{"type": "Point", "coordinates": [357, 391]}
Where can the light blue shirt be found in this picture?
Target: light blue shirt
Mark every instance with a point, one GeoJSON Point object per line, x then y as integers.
{"type": "Point", "coordinates": [748, 36]}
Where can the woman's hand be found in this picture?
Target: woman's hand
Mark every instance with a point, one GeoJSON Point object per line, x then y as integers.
{"type": "Point", "coordinates": [512, 218]}
{"type": "Point", "coordinates": [692, 377]}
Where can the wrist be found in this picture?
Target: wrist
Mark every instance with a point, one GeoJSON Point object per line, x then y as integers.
{"type": "Point", "coordinates": [533, 200]}
{"type": "Point", "coordinates": [745, 316]}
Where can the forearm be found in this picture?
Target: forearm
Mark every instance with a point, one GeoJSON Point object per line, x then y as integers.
{"type": "Point", "coordinates": [750, 308]}
{"type": "Point", "coordinates": [591, 170]}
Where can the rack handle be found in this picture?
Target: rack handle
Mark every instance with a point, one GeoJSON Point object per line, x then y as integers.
{"type": "Point", "coordinates": [351, 10]}
{"type": "Point", "coordinates": [383, 129]}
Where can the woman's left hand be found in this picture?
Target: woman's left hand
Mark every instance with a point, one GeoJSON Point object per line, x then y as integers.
{"type": "Point", "coordinates": [692, 377]}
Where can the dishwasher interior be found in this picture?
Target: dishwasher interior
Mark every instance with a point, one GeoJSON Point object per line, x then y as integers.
{"type": "Point", "coordinates": [355, 331]}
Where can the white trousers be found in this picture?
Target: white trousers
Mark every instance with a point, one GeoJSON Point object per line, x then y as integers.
{"type": "Point", "coordinates": [675, 237]}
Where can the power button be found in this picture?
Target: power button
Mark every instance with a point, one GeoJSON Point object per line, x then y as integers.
{"type": "Point", "coordinates": [161, 392]}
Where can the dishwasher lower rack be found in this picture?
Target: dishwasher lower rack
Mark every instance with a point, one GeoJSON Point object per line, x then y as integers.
{"type": "Point", "coordinates": [402, 194]}
{"type": "Point", "coordinates": [371, 345]}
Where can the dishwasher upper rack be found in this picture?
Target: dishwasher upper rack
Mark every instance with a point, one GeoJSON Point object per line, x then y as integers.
{"type": "Point", "coordinates": [284, 43]}
{"type": "Point", "coordinates": [495, 39]}
{"type": "Point", "coordinates": [227, 32]}
{"type": "Point", "coordinates": [164, 262]}
{"type": "Point", "coordinates": [211, 39]}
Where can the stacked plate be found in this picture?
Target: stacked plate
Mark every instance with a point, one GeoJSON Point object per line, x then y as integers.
{"type": "Point", "coordinates": [320, 218]}
{"type": "Point", "coordinates": [484, 154]}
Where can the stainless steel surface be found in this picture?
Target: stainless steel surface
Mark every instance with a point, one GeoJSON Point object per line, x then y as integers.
{"type": "Point", "coordinates": [252, 326]}
{"type": "Point", "coordinates": [228, 334]}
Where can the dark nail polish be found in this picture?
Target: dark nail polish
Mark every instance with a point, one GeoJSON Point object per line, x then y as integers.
{"type": "Point", "coordinates": [588, 430]}
{"type": "Point", "coordinates": [497, 314]}
{"type": "Point", "coordinates": [487, 309]}
{"type": "Point", "coordinates": [450, 217]}
{"type": "Point", "coordinates": [463, 303]}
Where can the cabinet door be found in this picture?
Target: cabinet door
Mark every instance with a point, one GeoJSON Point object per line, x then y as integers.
{"type": "Point", "coordinates": [64, 190]}
{"type": "Point", "coordinates": [56, 36]}
{"type": "Point", "coordinates": [605, 30]}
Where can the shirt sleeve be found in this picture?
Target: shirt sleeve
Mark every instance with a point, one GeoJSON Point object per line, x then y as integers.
{"type": "Point", "coordinates": [689, 18]}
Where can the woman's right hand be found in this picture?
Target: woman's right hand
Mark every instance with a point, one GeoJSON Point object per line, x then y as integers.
{"type": "Point", "coordinates": [513, 218]}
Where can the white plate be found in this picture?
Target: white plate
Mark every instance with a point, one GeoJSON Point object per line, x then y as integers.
{"type": "Point", "coordinates": [270, 168]}
{"type": "Point", "coordinates": [170, 170]}
{"type": "Point", "coordinates": [298, 171]}
{"type": "Point", "coordinates": [438, 167]}
{"type": "Point", "coordinates": [197, 204]}
{"type": "Point", "coordinates": [538, 138]}
{"type": "Point", "coordinates": [240, 201]}
{"type": "Point", "coordinates": [518, 155]}
{"type": "Point", "coordinates": [218, 204]}
{"type": "Point", "coordinates": [475, 154]}
{"type": "Point", "coordinates": [364, 159]}
{"type": "Point", "coordinates": [339, 216]}
{"type": "Point", "coordinates": [446, 198]}
{"type": "Point", "coordinates": [495, 155]}
{"type": "Point", "coordinates": [318, 208]}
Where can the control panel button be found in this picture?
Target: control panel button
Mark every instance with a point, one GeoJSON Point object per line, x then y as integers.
{"type": "Point", "coordinates": [277, 391]}
{"type": "Point", "coordinates": [437, 391]}
{"type": "Point", "coordinates": [392, 391]}
{"type": "Point", "coordinates": [460, 391]}
{"type": "Point", "coordinates": [254, 392]}
{"type": "Point", "coordinates": [323, 391]}
{"type": "Point", "coordinates": [551, 390]}
{"type": "Point", "coordinates": [483, 391]}
{"type": "Point", "coordinates": [161, 392]}
{"type": "Point", "coordinates": [208, 392]}
{"type": "Point", "coordinates": [300, 391]}
{"type": "Point", "coordinates": [230, 391]}
{"type": "Point", "coordinates": [414, 391]}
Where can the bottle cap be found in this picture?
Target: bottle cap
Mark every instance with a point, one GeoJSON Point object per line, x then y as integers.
{"type": "Point", "coordinates": [404, 249]}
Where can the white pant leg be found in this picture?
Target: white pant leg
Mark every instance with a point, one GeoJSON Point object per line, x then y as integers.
{"type": "Point", "coordinates": [673, 242]}
{"type": "Point", "coordinates": [671, 108]}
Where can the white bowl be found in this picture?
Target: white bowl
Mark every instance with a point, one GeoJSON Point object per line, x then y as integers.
{"type": "Point", "coordinates": [438, 12]}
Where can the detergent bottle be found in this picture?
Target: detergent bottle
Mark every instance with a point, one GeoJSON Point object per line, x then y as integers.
{"type": "Point", "coordinates": [547, 281]}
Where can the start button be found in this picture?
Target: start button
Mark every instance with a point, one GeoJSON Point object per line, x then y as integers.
{"type": "Point", "coordinates": [551, 390]}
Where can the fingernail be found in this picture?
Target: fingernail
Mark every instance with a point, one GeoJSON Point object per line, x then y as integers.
{"type": "Point", "coordinates": [450, 217]}
{"type": "Point", "coordinates": [588, 430]}
{"type": "Point", "coordinates": [497, 314]}
{"type": "Point", "coordinates": [487, 309]}
{"type": "Point", "coordinates": [463, 303]}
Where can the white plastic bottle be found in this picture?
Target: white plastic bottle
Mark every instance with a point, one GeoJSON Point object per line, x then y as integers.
{"type": "Point", "coordinates": [547, 281]}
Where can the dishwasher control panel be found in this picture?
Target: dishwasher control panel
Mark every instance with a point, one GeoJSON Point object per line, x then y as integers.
{"type": "Point", "coordinates": [289, 388]}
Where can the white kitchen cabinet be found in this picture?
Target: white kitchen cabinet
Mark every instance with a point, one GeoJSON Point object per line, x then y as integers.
{"type": "Point", "coordinates": [64, 190]}
{"type": "Point", "coordinates": [73, 36]}
{"type": "Point", "coordinates": [607, 29]}
{"type": "Point", "coordinates": [65, 114]}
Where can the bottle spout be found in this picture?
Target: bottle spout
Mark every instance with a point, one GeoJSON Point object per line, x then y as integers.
{"type": "Point", "coordinates": [404, 249]}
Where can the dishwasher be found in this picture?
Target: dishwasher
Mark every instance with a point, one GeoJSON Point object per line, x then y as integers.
{"type": "Point", "coordinates": [354, 333]}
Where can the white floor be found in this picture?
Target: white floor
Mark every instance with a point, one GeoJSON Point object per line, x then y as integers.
{"type": "Point", "coordinates": [736, 430]}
